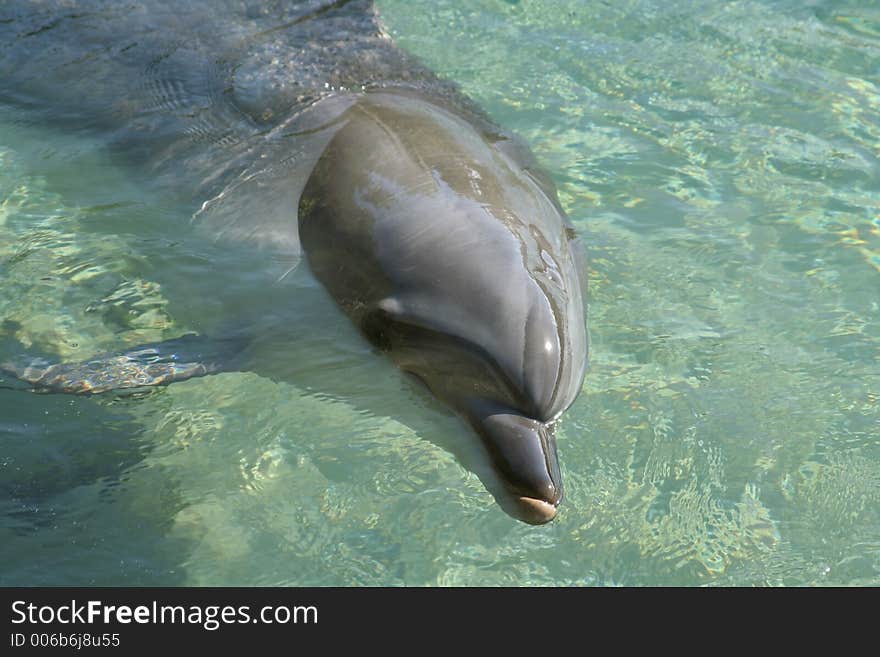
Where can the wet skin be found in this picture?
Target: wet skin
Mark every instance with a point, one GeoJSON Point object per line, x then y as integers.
{"type": "Point", "coordinates": [452, 257]}
{"type": "Point", "coordinates": [432, 228]}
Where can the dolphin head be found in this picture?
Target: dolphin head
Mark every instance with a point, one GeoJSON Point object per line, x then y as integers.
{"type": "Point", "coordinates": [502, 370]}
{"type": "Point", "coordinates": [455, 259]}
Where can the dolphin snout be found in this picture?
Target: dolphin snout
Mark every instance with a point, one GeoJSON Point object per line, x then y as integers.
{"type": "Point", "coordinates": [523, 452]}
{"type": "Point", "coordinates": [533, 511]}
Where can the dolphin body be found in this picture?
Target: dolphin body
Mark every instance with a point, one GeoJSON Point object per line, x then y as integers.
{"type": "Point", "coordinates": [301, 127]}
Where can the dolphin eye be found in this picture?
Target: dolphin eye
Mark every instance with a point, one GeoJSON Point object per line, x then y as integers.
{"type": "Point", "coordinates": [389, 328]}
{"type": "Point", "coordinates": [376, 326]}
{"type": "Point", "coordinates": [450, 366]}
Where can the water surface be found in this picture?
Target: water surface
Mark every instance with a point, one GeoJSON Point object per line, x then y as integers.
{"type": "Point", "coordinates": [720, 160]}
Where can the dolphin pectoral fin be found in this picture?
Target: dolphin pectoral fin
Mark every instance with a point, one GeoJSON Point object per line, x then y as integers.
{"type": "Point", "coordinates": [152, 364]}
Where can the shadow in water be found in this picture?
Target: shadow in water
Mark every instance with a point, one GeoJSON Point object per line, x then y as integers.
{"type": "Point", "coordinates": [63, 473]}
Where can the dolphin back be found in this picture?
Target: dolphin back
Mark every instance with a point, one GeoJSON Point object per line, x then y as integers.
{"type": "Point", "coordinates": [216, 100]}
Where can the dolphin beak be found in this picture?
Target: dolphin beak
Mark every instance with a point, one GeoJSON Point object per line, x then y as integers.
{"type": "Point", "coordinates": [532, 511]}
{"type": "Point", "coordinates": [523, 453]}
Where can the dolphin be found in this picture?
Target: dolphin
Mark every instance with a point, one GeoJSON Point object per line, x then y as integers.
{"type": "Point", "coordinates": [433, 229]}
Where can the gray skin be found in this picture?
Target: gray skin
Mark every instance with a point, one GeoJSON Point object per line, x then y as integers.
{"type": "Point", "coordinates": [432, 229]}
{"type": "Point", "coordinates": [454, 260]}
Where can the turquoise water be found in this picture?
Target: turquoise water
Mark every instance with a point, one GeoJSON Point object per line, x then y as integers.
{"type": "Point", "coordinates": [720, 160]}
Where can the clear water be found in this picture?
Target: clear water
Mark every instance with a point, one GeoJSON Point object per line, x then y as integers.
{"type": "Point", "coordinates": [720, 160]}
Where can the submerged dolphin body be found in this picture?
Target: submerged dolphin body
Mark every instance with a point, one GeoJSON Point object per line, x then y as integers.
{"type": "Point", "coordinates": [305, 128]}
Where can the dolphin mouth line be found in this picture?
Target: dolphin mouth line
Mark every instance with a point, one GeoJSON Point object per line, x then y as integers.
{"type": "Point", "coordinates": [538, 511]}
